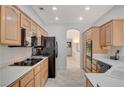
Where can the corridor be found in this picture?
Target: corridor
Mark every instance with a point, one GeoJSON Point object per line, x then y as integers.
{"type": "Point", "coordinates": [68, 78]}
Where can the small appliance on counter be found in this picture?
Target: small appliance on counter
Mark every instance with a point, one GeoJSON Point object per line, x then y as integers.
{"type": "Point", "coordinates": [116, 56]}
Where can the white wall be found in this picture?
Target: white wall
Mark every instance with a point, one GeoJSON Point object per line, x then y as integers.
{"type": "Point", "coordinates": [59, 32]}
{"type": "Point", "coordinates": [115, 13]}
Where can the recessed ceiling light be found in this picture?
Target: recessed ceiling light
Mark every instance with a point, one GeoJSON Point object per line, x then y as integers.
{"type": "Point", "coordinates": [87, 8]}
{"type": "Point", "coordinates": [54, 8]}
{"type": "Point", "coordinates": [41, 8]}
{"type": "Point", "coordinates": [56, 18]}
{"type": "Point", "coordinates": [81, 18]}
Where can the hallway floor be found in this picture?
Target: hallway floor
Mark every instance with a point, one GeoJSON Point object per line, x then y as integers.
{"type": "Point", "coordinates": [68, 78]}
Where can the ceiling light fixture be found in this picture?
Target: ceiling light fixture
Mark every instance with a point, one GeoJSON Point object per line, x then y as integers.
{"type": "Point", "coordinates": [56, 18]}
{"type": "Point", "coordinates": [81, 18]}
{"type": "Point", "coordinates": [54, 8]}
{"type": "Point", "coordinates": [87, 8]}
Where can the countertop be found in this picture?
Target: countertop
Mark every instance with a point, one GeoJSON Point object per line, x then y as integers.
{"type": "Point", "coordinates": [9, 74]}
{"type": "Point", "coordinates": [106, 79]}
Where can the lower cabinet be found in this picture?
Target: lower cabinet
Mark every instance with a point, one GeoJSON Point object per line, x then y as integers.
{"type": "Point", "coordinates": [38, 80]}
{"type": "Point", "coordinates": [26, 79]}
{"type": "Point", "coordinates": [15, 84]}
{"type": "Point", "coordinates": [37, 77]}
{"type": "Point", "coordinates": [30, 84]}
{"type": "Point", "coordinates": [44, 72]}
{"type": "Point", "coordinates": [88, 83]}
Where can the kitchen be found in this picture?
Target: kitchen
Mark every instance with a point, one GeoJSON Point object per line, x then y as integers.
{"type": "Point", "coordinates": [25, 48]}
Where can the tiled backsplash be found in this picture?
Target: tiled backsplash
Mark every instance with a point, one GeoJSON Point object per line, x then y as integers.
{"type": "Point", "coordinates": [9, 55]}
{"type": "Point", "coordinates": [114, 49]}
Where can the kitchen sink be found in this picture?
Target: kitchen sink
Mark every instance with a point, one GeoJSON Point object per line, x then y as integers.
{"type": "Point", "coordinates": [117, 72]}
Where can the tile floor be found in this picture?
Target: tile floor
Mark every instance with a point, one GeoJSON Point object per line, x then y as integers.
{"type": "Point", "coordinates": [68, 78]}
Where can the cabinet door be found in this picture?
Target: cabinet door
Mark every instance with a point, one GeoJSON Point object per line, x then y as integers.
{"type": "Point", "coordinates": [89, 34]}
{"type": "Point", "coordinates": [30, 84]}
{"type": "Point", "coordinates": [108, 29]}
{"type": "Point", "coordinates": [27, 78]}
{"type": "Point", "coordinates": [25, 22]}
{"type": "Point", "coordinates": [42, 74]}
{"type": "Point", "coordinates": [33, 27]}
{"type": "Point", "coordinates": [10, 25]}
{"type": "Point", "coordinates": [15, 84]}
{"type": "Point", "coordinates": [84, 50]}
{"type": "Point", "coordinates": [38, 80]}
{"type": "Point", "coordinates": [102, 36]}
{"type": "Point", "coordinates": [88, 83]}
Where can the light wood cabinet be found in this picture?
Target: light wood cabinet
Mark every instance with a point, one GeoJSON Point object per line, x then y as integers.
{"type": "Point", "coordinates": [37, 69]}
{"type": "Point", "coordinates": [111, 33]}
{"type": "Point", "coordinates": [89, 34]}
{"type": "Point", "coordinates": [30, 84]}
{"type": "Point", "coordinates": [88, 83]}
{"type": "Point", "coordinates": [38, 80]}
{"type": "Point", "coordinates": [15, 84]}
{"type": "Point", "coordinates": [10, 25]}
{"type": "Point", "coordinates": [102, 36]}
{"type": "Point", "coordinates": [96, 48]}
{"type": "Point", "coordinates": [84, 38]}
{"type": "Point", "coordinates": [44, 72]}
{"type": "Point", "coordinates": [108, 29]}
{"type": "Point", "coordinates": [27, 78]}
{"type": "Point", "coordinates": [34, 27]}
{"type": "Point", "coordinates": [44, 33]}
{"type": "Point", "coordinates": [37, 77]}
{"type": "Point", "coordinates": [25, 22]}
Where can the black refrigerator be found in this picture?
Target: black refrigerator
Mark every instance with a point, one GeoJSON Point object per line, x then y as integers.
{"type": "Point", "coordinates": [51, 50]}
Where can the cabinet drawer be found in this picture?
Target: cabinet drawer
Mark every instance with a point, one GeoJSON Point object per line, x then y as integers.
{"type": "Point", "coordinates": [30, 84]}
{"type": "Point", "coordinates": [37, 69]}
{"type": "Point", "coordinates": [26, 79]}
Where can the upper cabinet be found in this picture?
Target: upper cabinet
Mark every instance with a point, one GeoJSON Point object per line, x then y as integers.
{"type": "Point", "coordinates": [111, 33]}
{"type": "Point", "coordinates": [45, 33]}
{"type": "Point", "coordinates": [34, 27]}
{"type": "Point", "coordinates": [25, 22]}
{"type": "Point", "coordinates": [94, 34]}
{"type": "Point", "coordinates": [12, 19]}
{"type": "Point", "coordinates": [10, 25]}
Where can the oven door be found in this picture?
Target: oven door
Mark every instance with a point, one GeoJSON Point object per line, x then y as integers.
{"type": "Point", "coordinates": [89, 55]}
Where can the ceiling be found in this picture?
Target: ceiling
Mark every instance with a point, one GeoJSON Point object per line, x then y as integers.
{"type": "Point", "coordinates": [69, 14]}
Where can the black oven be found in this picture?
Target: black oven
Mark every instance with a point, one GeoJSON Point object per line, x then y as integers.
{"type": "Point", "coordinates": [89, 55]}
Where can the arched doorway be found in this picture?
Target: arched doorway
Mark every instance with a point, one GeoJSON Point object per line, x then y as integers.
{"type": "Point", "coordinates": [73, 49]}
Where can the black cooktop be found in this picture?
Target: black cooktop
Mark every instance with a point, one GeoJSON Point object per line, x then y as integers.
{"type": "Point", "coordinates": [27, 62]}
